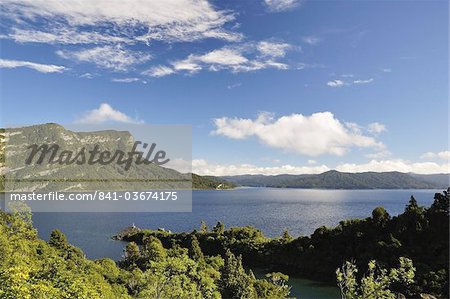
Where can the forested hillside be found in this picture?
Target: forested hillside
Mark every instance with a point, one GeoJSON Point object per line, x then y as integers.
{"type": "Point", "coordinates": [31, 268]}
{"type": "Point", "coordinates": [210, 183]}
{"type": "Point", "coordinates": [339, 180]}
{"type": "Point", "coordinates": [419, 234]}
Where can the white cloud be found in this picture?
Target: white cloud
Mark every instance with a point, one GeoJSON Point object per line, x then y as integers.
{"type": "Point", "coordinates": [335, 83]}
{"type": "Point", "coordinates": [87, 76]}
{"type": "Point", "coordinates": [235, 85]}
{"type": "Point", "coordinates": [63, 36]}
{"type": "Point", "coordinates": [363, 81]}
{"type": "Point", "coordinates": [203, 167]}
{"type": "Point", "coordinates": [111, 57]}
{"type": "Point", "coordinates": [244, 58]}
{"type": "Point", "coordinates": [444, 155]}
{"type": "Point", "coordinates": [42, 68]}
{"type": "Point", "coordinates": [311, 40]}
{"type": "Point", "coordinates": [223, 56]}
{"type": "Point", "coordinates": [376, 128]}
{"type": "Point", "coordinates": [386, 70]}
{"type": "Point", "coordinates": [354, 127]}
{"type": "Point", "coordinates": [310, 162]}
{"type": "Point", "coordinates": [166, 20]}
{"type": "Point", "coordinates": [158, 71]}
{"type": "Point", "coordinates": [317, 134]}
{"type": "Point", "coordinates": [186, 65]}
{"type": "Point", "coordinates": [125, 80]}
{"type": "Point", "coordinates": [273, 49]}
{"type": "Point", "coordinates": [340, 83]}
{"type": "Point", "coordinates": [395, 165]}
{"type": "Point", "coordinates": [281, 5]}
{"type": "Point", "coordinates": [103, 114]}
{"type": "Point", "coordinates": [255, 65]}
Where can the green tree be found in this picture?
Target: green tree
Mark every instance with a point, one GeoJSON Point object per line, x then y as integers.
{"type": "Point", "coordinates": [219, 228]}
{"type": "Point", "coordinates": [203, 227]}
{"type": "Point", "coordinates": [195, 252]}
{"type": "Point", "coordinates": [153, 249]}
{"type": "Point", "coordinates": [412, 205]}
{"type": "Point", "coordinates": [132, 255]}
{"type": "Point", "coordinates": [286, 237]}
{"type": "Point", "coordinates": [58, 240]}
{"type": "Point", "coordinates": [273, 286]}
{"type": "Point", "coordinates": [235, 283]}
{"type": "Point", "coordinates": [376, 283]}
{"type": "Point", "coordinates": [441, 202]}
{"type": "Point", "coordinates": [380, 216]}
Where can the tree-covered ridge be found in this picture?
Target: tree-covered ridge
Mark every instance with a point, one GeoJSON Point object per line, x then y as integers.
{"type": "Point", "coordinates": [420, 234]}
{"type": "Point", "coordinates": [66, 174]}
{"type": "Point", "coordinates": [31, 268]}
{"type": "Point", "coordinates": [210, 183]}
{"type": "Point", "coordinates": [342, 180]}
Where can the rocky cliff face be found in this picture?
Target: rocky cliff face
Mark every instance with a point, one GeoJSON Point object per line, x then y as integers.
{"type": "Point", "coordinates": [63, 175]}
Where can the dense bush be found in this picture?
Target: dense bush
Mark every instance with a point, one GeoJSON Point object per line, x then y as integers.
{"type": "Point", "coordinates": [420, 234]}
{"type": "Point", "coordinates": [32, 268]}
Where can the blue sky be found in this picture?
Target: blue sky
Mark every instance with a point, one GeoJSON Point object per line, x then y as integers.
{"type": "Point", "coordinates": [269, 86]}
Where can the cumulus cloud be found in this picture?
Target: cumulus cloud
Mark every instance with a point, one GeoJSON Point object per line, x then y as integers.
{"type": "Point", "coordinates": [103, 114]}
{"type": "Point", "coordinates": [203, 167]}
{"type": "Point", "coordinates": [313, 135]}
{"type": "Point", "coordinates": [110, 57]}
{"type": "Point", "coordinates": [42, 68]}
{"type": "Point", "coordinates": [444, 155]}
{"type": "Point", "coordinates": [281, 5]}
{"type": "Point", "coordinates": [71, 22]}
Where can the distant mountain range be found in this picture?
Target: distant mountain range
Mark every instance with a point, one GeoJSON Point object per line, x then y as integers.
{"type": "Point", "coordinates": [342, 180]}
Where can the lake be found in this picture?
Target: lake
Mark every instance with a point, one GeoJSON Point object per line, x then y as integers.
{"type": "Point", "coordinates": [272, 210]}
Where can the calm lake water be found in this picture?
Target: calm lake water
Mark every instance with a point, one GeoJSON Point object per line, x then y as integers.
{"type": "Point", "coordinates": [272, 210]}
